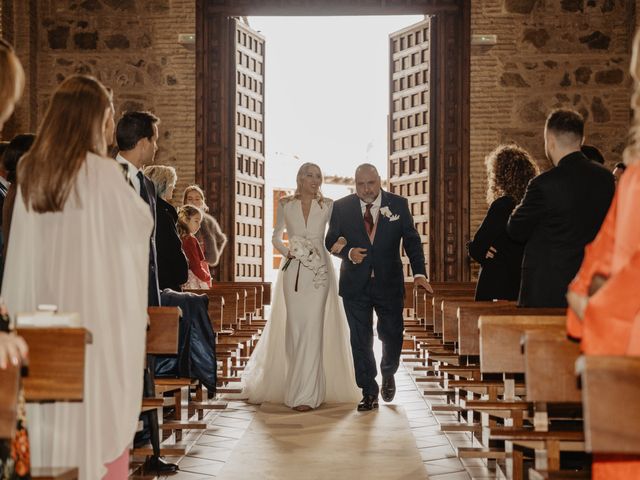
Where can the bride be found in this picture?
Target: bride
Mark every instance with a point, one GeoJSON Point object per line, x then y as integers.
{"type": "Point", "coordinates": [303, 357]}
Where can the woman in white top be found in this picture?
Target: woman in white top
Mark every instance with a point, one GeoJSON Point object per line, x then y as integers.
{"type": "Point", "coordinates": [80, 240]}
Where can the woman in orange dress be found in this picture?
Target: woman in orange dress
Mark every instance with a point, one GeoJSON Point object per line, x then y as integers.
{"type": "Point", "coordinates": [604, 303]}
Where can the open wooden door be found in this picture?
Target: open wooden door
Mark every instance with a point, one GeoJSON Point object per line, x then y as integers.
{"type": "Point", "coordinates": [248, 151]}
{"type": "Point", "coordinates": [410, 132]}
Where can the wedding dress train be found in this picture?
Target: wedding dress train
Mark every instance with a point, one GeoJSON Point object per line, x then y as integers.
{"type": "Point", "coordinates": [304, 355]}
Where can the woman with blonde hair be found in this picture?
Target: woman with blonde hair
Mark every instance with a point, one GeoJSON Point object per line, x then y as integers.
{"type": "Point", "coordinates": [303, 358]}
{"type": "Point", "coordinates": [604, 307]}
{"type": "Point", "coordinates": [14, 453]}
{"type": "Point", "coordinates": [509, 169]}
{"type": "Point", "coordinates": [80, 241]}
{"type": "Point", "coordinates": [212, 239]}
{"type": "Point", "coordinates": [172, 263]}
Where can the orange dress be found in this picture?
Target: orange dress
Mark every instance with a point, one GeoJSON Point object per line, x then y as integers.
{"type": "Point", "coordinates": [611, 324]}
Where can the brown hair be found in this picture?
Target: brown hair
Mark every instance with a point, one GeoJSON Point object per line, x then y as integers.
{"type": "Point", "coordinates": [71, 128]}
{"type": "Point", "coordinates": [185, 213]}
{"type": "Point", "coordinates": [509, 170]}
{"type": "Point", "coordinates": [632, 152]}
{"type": "Point", "coordinates": [195, 188]}
{"type": "Point", "coordinates": [11, 79]}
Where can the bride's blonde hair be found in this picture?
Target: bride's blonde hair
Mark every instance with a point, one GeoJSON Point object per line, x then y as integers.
{"type": "Point", "coordinates": [632, 152]}
{"type": "Point", "coordinates": [301, 172]}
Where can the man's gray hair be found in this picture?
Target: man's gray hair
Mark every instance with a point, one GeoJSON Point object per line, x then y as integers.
{"type": "Point", "coordinates": [367, 166]}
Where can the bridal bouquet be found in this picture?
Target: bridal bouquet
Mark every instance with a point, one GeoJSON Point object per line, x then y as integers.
{"type": "Point", "coordinates": [307, 254]}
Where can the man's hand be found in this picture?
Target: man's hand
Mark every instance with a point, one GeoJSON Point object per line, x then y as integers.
{"type": "Point", "coordinates": [13, 349]}
{"type": "Point", "coordinates": [357, 255]}
{"type": "Point", "coordinates": [339, 245]}
{"type": "Point", "coordinates": [577, 303]}
{"type": "Point", "coordinates": [422, 282]}
{"type": "Point", "coordinates": [491, 252]}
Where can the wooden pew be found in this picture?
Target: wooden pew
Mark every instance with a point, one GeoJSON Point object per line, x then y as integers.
{"type": "Point", "coordinates": [610, 397]}
{"type": "Point", "coordinates": [501, 352]}
{"type": "Point", "coordinates": [9, 388]}
{"type": "Point", "coordinates": [55, 377]}
{"type": "Point", "coordinates": [162, 339]}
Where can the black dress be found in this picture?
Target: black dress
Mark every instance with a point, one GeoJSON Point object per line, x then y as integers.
{"type": "Point", "coordinates": [172, 263]}
{"type": "Point", "coordinates": [500, 275]}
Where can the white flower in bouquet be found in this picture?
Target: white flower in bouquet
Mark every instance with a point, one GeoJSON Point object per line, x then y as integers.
{"type": "Point", "coordinates": [308, 255]}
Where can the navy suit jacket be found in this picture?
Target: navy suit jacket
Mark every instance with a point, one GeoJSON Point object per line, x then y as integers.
{"type": "Point", "coordinates": [383, 256]}
{"type": "Point", "coordinates": [154, 288]}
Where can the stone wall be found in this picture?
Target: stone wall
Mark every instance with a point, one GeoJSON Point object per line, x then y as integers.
{"type": "Point", "coordinates": [549, 54]}
{"type": "Point", "coordinates": [561, 53]}
{"type": "Point", "coordinates": [132, 47]}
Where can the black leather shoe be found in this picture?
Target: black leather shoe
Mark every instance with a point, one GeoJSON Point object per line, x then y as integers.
{"type": "Point", "coordinates": [388, 390]}
{"type": "Point", "coordinates": [368, 402]}
{"type": "Point", "coordinates": [159, 466]}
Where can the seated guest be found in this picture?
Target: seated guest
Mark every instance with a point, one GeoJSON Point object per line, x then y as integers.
{"type": "Point", "coordinates": [560, 213]}
{"type": "Point", "coordinates": [18, 146]}
{"type": "Point", "coordinates": [79, 241]}
{"type": "Point", "coordinates": [189, 222]}
{"type": "Point", "coordinates": [592, 153]}
{"type": "Point", "coordinates": [618, 170]}
{"type": "Point", "coordinates": [172, 263]}
{"type": "Point", "coordinates": [14, 463]}
{"type": "Point", "coordinates": [210, 236]}
{"type": "Point", "coordinates": [509, 169]}
{"type": "Point", "coordinates": [604, 305]}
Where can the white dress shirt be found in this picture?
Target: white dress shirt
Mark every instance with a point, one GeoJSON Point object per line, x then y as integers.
{"type": "Point", "coordinates": [132, 172]}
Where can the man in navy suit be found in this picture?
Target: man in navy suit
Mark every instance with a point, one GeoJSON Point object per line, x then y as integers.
{"type": "Point", "coordinates": [137, 137]}
{"type": "Point", "coordinates": [373, 222]}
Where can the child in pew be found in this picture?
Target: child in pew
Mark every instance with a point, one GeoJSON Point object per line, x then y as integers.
{"type": "Point", "coordinates": [189, 221]}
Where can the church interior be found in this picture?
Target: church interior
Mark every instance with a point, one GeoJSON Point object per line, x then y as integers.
{"type": "Point", "coordinates": [499, 378]}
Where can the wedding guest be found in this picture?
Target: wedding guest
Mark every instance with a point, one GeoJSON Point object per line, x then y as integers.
{"type": "Point", "coordinates": [189, 222]}
{"type": "Point", "coordinates": [560, 213]}
{"type": "Point", "coordinates": [19, 145]}
{"type": "Point", "coordinates": [211, 238]}
{"type": "Point", "coordinates": [618, 170]}
{"type": "Point", "coordinates": [14, 463]}
{"type": "Point", "coordinates": [172, 263]}
{"type": "Point", "coordinates": [72, 216]}
{"type": "Point", "coordinates": [137, 138]}
{"type": "Point", "coordinates": [592, 153]}
{"type": "Point", "coordinates": [604, 306]}
{"type": "Point", "coordinates": [509, 170]}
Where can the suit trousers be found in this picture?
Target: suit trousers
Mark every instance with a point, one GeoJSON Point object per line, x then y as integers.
{"type": "Point", "coordinates": [359, 312]}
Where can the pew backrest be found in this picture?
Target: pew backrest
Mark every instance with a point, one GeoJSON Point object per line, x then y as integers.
{"type": "Point", "coordinates": [9, 384]}
{"type": "Point", "coordinates": [611, 409]}
{"type": "Point", "coordinates": [163, 333]}
{"type": "Point", "coordinates": [56, 363]}
{"type": "Point", "coordinates": [500, 339]}
{"type": "Point", "coordinates": [550, 359]}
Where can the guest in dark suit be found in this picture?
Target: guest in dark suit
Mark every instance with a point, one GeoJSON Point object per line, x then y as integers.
{"type": "Point", "coordinates": [369, 226]}
{"type": "Point", "coordinates": [561, 213]}
{"type": "Point", "coordinates": [592, 153]}
{"type": "Point", "coordinates": [509, 170]}
{"type": "Point", "coordinates": [172, 262]}
{"type": "Point", "coordinates": [137, 137]}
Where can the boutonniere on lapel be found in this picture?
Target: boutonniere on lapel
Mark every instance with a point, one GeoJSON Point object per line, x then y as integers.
{"type": "Point", "coordinates": [389, 214]}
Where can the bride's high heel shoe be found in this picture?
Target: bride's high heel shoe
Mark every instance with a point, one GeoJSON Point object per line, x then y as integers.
{"type": "Point", "coordinates": [303, 408]}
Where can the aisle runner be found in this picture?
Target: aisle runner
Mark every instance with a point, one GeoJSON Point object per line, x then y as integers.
{"type": "Point", "coordinates": [334, 441]}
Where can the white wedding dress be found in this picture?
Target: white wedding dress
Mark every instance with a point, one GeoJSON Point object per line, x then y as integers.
{"type": "Point", "coordinates": [303, 356]}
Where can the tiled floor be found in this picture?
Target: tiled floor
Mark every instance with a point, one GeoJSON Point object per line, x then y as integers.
{"type": "Point", "coordinates": [214, 445]}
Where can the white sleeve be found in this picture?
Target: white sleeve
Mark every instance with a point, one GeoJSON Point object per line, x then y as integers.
{"type": "Point", "coordinates": [278, 230]}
